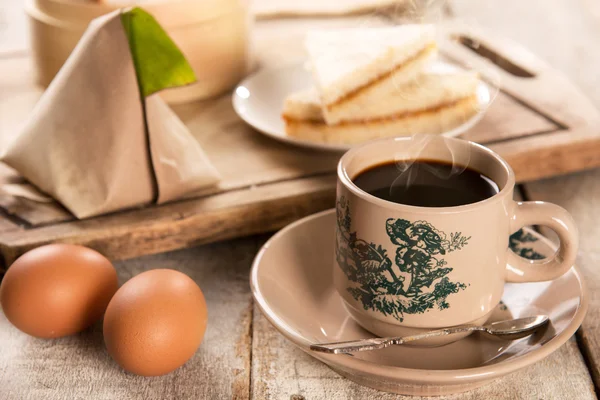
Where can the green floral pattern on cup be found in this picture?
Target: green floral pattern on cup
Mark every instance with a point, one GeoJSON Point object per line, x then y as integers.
{"type": "Point", "coordinates": [517, 241]}
{"type": "Point", "coordinates": [417, 279]}
{"type": "Point", "coordinates": [397, 288]}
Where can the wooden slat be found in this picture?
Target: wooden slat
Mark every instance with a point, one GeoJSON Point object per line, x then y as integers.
{"type": "Point", "coordinates": [561, 32]}
{"type": "Point", "coordinates": [547, 91]}
{"type": "Point", "coordinates": [79, 367]}
{"type": "Point", "coordinates": [246, 158]}
{"type": "Point", "coordinates": [281, 371]}
{"type": "Point", "coordinates": [37, 369]}
{"type": "Point", "coordinates": [186, 223]}
{"type": "Point", "coordinates": [243, 157]}
{"type": "Point", "coordinates": [556, 153]}
{"type": "Point", "coordinates": [580, 195]}
{"type": "Point", "coordinates": [506, 119]}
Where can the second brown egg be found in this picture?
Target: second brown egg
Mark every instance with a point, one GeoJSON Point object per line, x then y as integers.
{"type": "Point", "coordinates": [155, 322]}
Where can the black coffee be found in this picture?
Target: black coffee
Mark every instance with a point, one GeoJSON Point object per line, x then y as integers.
{"type": "Point", "coordinates": [426, 183]}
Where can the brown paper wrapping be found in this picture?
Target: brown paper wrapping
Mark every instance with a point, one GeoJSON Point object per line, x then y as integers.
{"type": "Point", "coordinates": [86, 142]}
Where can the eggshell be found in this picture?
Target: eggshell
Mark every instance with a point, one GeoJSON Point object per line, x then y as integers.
{"type": "Point", "coordinates": [155, 322]}
{"type": "Point", "coordinates": [57, 290]}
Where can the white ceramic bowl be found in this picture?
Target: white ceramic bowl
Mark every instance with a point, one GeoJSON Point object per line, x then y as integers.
{"type": "Point", "coordinates": [214, 35]}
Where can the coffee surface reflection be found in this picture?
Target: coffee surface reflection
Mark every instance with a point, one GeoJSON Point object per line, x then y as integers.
{"type": "Point", "coordinates": [426, 183]}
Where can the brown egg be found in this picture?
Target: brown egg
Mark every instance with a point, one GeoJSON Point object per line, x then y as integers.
{"type": "Point", "coordinates": [155, 322]}
{"type": "Point", "coordinates": [57, 290]}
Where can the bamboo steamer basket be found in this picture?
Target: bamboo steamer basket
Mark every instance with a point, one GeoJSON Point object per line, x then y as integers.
{"type": "Point", "coordinates": [214, 35]}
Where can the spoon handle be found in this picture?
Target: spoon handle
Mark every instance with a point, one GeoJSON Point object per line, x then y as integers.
{"type": "Point", "coordinates": [352, 346]}
{"type": "Point", "coordinates": [439, 332]}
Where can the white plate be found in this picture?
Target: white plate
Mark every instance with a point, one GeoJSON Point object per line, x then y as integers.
{"type": "Point", "coordinates": [292, 283]}
{"type": "Point", "coordinates": [258, 100]}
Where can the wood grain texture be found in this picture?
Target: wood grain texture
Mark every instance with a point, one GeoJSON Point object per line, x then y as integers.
{"type": "Point", "coordinates": [495, 126]}
{"type": "Point", "coordinates": [281, 371]}
{"type": "Point", "coordinates": [79, 367]}
{"type": "Point", "coordinates": [562, 34]}
{"type": "Point", "coordinates": [186, 223]}
{"type": "Point", "coordinates": [551, 159]}
{"type": "Point", "coordinates": [290, 373]}
{"type": "Point", "coordinates": [542, 87]}
{"type": "Point", "coordinates": [580, 195]}
{"type": "Point", "coordinates": [248, 160]}
{"type": "Point", "coordinates": [243, 157]}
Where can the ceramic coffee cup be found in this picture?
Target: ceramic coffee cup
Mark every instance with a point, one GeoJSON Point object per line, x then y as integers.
{"type": "Point", "coordinates": [404, 269]}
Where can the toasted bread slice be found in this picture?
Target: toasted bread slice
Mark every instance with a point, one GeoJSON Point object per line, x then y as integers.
{"type": "Point", "coordinates": [386, 99]}
{"type": "Point", "coordinates": [303, 106]}
{"type": "Point", "coordinates": [431, 121]}
{"type": "Point", "coordinates": [406, 76]}
{"type": "Point", "coordinates": [345, 61]}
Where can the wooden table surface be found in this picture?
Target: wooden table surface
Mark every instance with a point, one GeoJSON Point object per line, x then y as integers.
{"type": "Point", "coordinates": [242, 356]}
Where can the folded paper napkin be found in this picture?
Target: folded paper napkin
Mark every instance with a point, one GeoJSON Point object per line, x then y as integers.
{"type": "Point", "coordinates": [100, 139]}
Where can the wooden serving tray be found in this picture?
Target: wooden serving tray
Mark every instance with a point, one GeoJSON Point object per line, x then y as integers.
{"type": "Point", "coordinates": [539, 122]}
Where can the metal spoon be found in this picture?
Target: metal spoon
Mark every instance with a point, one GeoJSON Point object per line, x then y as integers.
{"type": "Point", "coordinates": [510, 329]}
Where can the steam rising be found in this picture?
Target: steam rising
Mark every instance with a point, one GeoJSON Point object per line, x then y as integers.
{"type": "Point", "coordinates": [421, 148]}
{"type": "Point", "coordinates": [391, 12]}
{"type": "Point", "coordinates": [436, 12]}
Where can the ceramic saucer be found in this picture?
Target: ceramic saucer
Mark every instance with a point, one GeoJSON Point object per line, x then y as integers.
{"type": "Point", "coordinates": [258, 100]}
{"type": "Point", "coordinates": [291, 281]}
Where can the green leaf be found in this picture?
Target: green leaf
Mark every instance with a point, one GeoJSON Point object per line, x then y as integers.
{"type": "Point", "coordinates": [159, 63]}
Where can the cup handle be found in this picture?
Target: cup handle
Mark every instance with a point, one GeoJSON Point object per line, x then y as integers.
{"type": "Point", "coordinates": [560, 221]}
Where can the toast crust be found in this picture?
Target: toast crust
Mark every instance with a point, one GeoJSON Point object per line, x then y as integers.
{"type": "Point", "coordinates": [440, 107]}
{"type": "Point", "coordinates": [435, 120]}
